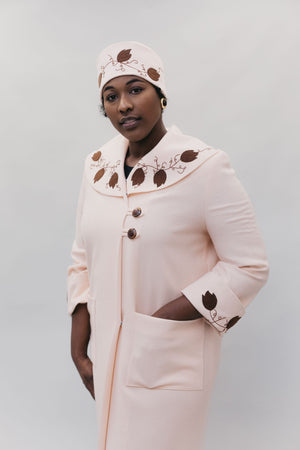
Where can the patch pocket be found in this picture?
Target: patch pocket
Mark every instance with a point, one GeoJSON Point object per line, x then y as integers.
{"type": "Point", "coordinates": [91, 306]}
{"type": "Point", "coordinates": [166, 354]}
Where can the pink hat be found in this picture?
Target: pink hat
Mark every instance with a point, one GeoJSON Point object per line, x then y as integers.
{"type": "Point", "coordinates": [130, 58]}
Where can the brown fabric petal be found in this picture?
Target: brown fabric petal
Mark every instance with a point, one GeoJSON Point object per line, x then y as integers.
{"type": "Point", "coordinates": [209, 300]}
{"type": "Point", "coordinates": [160, 177]}
{"type": "Point", "coordinates": [232, 322]}
{"type": "Point", "coordinates": [99, 174]}
{"type": "Point", "coordinates": [99, 79]}
{"type": "Point", "coordinates": [138, 177]}
{"type": "Point", "coordinates": [96, 156]}
{"type": "Point", "coordinates": [153, 74]}
{"type": "Point", "coordinates": [113, 180]}
{"type": "Point", "coordinates": [124, 55]}
{"type": "Point", "coordinates": [188, 156]}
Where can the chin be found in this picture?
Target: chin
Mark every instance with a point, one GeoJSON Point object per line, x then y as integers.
{"type": "Point", "coordinates": [134, 135]}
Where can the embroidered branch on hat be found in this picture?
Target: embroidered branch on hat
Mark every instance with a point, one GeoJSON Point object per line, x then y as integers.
{"type": "Point", "coordinates": [124, 59]}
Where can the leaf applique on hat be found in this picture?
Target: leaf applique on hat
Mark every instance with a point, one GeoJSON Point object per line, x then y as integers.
{"type": "Point", "coordinates": [124, 55]}
{"type": "Point", "coordinates": [125, 59]}
{"type": "Point", "coordinates": [153, 74]}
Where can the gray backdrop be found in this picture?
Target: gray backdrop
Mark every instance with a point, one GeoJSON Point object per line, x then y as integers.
{"type": "Point", "coordinates": [232, 71]}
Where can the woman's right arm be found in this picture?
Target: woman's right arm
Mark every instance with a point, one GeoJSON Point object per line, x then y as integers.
{"type": "Point", "coordinates": [77, 298]}
{"type": "Point", "coordinates": [80, 336]}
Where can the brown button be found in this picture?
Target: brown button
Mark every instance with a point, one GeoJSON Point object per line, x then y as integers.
{"type": "Point", "coordinates": [131, 233]}
{"type": "Point", "coordinates": [136, 212]}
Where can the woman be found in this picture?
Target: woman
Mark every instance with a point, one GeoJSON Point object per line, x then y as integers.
{"type": "Point", "coordinates": [166, 257]}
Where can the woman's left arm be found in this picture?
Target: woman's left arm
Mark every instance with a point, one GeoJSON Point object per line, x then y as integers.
{"type": "Point", "coordinates": [222, 294]}
{"type": "Point", "coordinates": [179, 309]}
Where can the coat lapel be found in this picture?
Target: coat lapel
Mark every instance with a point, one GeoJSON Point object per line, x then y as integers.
{"type": "Point", "coordinates": [174, 157]}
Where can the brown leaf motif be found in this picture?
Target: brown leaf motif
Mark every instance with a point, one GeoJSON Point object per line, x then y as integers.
{"type": "Point", "coordinates": [160, 177]}
{"type": "Point", "coordinates": [99, 79]}
{"type": "Point", "coordinates": [209, 300]}
{"type": "Point", "coordinates": [113, 180]}
{"type": "Point", "coordinates": [153, 74]}
{"type": "Point", "coordinates": [232, 321]}
{"type": "Point", "coordinates": [96, 156]}
{"type": "Point", "coordinates": [99, 174]}
{"type": "Point", "coordinates": [138, 177]}
{"type": "Point", "coordinates": [159, 171]}
{"type": "Point", "coordinates": [188, 156]}
{"type": "Point", "coordinates": [124, 55]}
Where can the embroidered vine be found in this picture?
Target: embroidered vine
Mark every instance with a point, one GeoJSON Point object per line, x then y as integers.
{"type": "Point", "coordinates": [103, 167]}
{"type": "Point", "coordinates": [124, 59]}
{"type": "Point", "coordinates": [159, 172]}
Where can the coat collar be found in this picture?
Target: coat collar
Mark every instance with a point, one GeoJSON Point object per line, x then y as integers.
{"type": "Point", "coordinates": [174, 157]}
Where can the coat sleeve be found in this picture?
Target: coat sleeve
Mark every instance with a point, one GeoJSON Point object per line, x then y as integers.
{"type": "Point", "coordinates": [77, 273]}
{"type": "Point", "coordinates": [222, 294]}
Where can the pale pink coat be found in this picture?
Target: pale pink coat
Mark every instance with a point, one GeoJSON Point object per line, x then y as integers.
{"type": "Point", "coordinates": [196, 235]}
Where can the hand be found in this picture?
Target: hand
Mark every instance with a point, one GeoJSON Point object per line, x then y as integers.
{"type": "Point", "coordinates": [179, 309]}
{"type": "Point", "coordinates": [85, 368]}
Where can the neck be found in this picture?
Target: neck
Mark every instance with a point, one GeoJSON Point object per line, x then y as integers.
{"type": "Point", "coordinates": [136, 150]}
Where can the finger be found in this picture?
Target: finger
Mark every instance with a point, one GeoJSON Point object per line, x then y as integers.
{"type": "Point", "coordinates": [92, 392]}
{"type": "Point", "coordinates": [90, 388]}
{"type": "Point", "coordinates": [89, 384]}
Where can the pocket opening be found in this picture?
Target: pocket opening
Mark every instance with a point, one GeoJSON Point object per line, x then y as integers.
{"type": "Point", "coordinates": [166, 354]}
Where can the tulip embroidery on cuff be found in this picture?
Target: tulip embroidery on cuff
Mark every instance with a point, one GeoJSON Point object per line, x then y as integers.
{"type": "Point", "coordinates": [232, 321]}
{"type": "Point", "coordinates": [210, 302]}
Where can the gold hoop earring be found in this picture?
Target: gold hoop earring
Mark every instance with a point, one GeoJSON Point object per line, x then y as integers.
{"type": "Point", "coordinates": [163, 102]}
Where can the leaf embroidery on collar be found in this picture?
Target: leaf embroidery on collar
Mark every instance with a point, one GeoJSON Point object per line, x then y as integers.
{"type": "Point", "coordinates": [158, 176]}
{"type": "Point", "coordinates": [103, 167]}
{"type": "Point", "coordinates": [160, 170]}
{"type": "Point", "coordinates": [179, 163]}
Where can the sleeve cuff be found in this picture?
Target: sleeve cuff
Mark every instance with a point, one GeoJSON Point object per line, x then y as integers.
{"type": "Point", "coordinates": [217, 303]}
{"type": "Point", "coordinates": [83, 298]}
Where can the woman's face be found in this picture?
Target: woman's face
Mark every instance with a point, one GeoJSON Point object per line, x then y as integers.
{"type": "Point", "coordinates": [132, 105]}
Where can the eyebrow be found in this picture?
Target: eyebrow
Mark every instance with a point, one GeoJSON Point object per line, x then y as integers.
{"type": "Point", "coordinates": [128, 82]}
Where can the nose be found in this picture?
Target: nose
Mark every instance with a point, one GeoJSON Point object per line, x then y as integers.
{"type": "Point", "coordinates": [125, 104]}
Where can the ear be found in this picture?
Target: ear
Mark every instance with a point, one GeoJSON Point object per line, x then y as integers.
{"type": "Point", "coordinates": [163, 102]}
{"type": "Point", "coordinates": [101, 106]}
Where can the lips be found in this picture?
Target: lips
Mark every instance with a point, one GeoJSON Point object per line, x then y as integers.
{"type": "Point", "coordinates": [129, 118]}
{"type": "Point", "coordinates": [129, 122]}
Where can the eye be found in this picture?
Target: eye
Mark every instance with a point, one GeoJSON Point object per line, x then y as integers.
{"type": "Point", "coordinates": [136, 90]}
{"type": "Point", "coordinates": [110, 98]}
